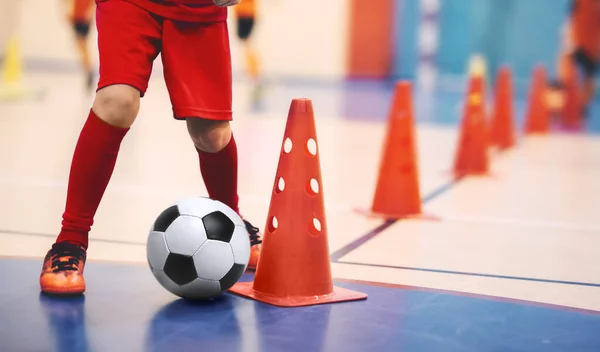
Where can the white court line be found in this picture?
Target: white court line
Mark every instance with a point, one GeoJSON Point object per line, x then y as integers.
{"type": "Point", "coordinates": [145, 191]}
{"type": "Point", "coordinates": [523, 223]}
{"type": "Point", "coordinates": [258, 200]}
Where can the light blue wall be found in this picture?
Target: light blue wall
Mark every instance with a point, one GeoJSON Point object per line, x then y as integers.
{"type": "Point", "coordinates": [454, 44]}
{"type": "Point", "coordinates": [405, 28]}
{"type": "Point", "coordinates": [519, 33]}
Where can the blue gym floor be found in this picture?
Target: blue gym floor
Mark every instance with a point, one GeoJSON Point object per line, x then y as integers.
{"type": "Point", "coordinates": [126, 310]}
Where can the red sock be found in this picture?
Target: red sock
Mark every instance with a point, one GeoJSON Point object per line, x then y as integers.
{"type": "Point", "coordinates": [219, 171]}
{"type": "Point", "coordinates": [92, 166]}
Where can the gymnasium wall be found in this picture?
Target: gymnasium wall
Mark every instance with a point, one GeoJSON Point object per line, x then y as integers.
{"type": "Point", "coordinates": [335, 39]}
{"type": "Point", "coordinates": [515, 32]}
{"type": "Point", "coordinates": [296, 39]}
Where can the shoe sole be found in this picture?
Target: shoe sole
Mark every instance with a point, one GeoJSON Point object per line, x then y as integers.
{"type": "Point", "coordinates": [64, 292]}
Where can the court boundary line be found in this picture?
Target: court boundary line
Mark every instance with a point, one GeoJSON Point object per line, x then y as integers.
{"type": "Point", "coordinates": [91, 239]}
{"type": "Point", "coordinates": [370, 283]}
{"type": "Point", "coordinates": [352, 246]}
{"type": "Point", "coordinates": [464, 273]}
{"type": "Point", "coordinates": [471, 295]}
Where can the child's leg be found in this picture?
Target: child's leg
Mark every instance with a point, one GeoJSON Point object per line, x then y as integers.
{"type": "Point", "coordinates": [586, 71]}
{"type": "Point", "coordinates": [589, 90]}
{"type": "Point", "coordinates": [82, 30]}
{"type": "Point", "coordinates": [197, 67]}
{"type": "Point", "coordinates": [126, 65]}
{"type": "Point", "coordinates": [589, 83]}
{"type": "Point", "coordinates": [245, 28]}
{"type": "Point", "coordinates": [217, 152]}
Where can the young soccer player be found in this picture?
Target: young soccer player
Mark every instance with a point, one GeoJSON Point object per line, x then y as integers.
{"type": "Point", "coordinates": [192, 37]}
{"type": "Point", "coordinates": [80, 14]}
{"type": "Point", "coordinates": [246, 20]}
{"type": "Point", "coordinates": [581, 47]}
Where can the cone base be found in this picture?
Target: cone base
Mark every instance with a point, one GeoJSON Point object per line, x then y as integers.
{"type": "Point", "coordinates": [245, 289]}
{"type": "Point", "coordinates": [538, 131]}
{"type": "Point", "coordinates": [502, 145]}
{"type": "Point", "coordinates": [463, 174]}
{"type": "Point", "coordinates": [370, 213]}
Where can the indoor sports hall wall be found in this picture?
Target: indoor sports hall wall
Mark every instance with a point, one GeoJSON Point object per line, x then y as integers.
{"type": "Point", "coordinates": [297, 39]}
{"type": "Point", "coordinates": [519, 33]}
{"type": "Point", "coordinates": [515, 32]}
{"type": "Point", "coordinates": [335, 39]}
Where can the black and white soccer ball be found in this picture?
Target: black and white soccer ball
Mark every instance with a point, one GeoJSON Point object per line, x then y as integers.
{"type": "Point", "coordinates": [198, 248]}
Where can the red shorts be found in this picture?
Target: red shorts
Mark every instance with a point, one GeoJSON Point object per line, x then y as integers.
{"type": "Point", "coordinates": [196, 57]}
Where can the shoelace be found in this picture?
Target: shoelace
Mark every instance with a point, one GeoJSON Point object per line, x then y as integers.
{"type": "Point", "coordinates": [253, 234]}
{"type": "Point", "coordinates": [66, 257]}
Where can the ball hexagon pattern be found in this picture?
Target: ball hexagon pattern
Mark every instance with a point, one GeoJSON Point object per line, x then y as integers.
{"type": "Point", "coordinates": [198, 248]}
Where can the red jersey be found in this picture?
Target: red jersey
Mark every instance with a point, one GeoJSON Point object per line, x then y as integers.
{"type": "Point", "coordinates": [184, 10]}
{"type": "Point", "coordinates": [586, 26]}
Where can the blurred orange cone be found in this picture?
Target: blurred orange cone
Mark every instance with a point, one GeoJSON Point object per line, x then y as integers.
{"type": "Point", "coordinates": [397, 194]}
{"type": "Point", "coordinates": [502, 125]}
{"type": "Point", "coordinates": [537, 119]}
{"type": "Point", "coordinates": [472, 157]}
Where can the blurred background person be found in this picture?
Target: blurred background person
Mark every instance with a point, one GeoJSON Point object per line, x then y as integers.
{"type": "Point", "coordinates": [581, 48]}
{"type": "Point", "coordinates": [246, 12]}
{"type": "Point", "coordinates": [80, 14]}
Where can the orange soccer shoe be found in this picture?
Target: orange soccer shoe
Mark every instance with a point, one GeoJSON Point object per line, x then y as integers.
{"type": "Point", "coordinates": [255, 245]}
{"type": "Point", "coordinates": [62, 272]}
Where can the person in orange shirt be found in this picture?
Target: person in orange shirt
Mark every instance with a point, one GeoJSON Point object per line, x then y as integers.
{"type": "Point", "coordinates": [246, 18]}
{"type": "Point", "coordinates": [582, 47]}
{"type": "Point", "coordinates": [80, 15]}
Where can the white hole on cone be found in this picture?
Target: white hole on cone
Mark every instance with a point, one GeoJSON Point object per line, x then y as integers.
{"type": "Point", "coordinates": [312, 188]}
{"type": "Point", "coordinates": [280, 185]}
{"type": "Point", "coordinates": [314, 227]}
{"type": "Point", "coordinates": [287, 145]}
{"type": "Point", "coordinates": [311, 147]}
{"type": "Point", "coordinates": [272, 224]}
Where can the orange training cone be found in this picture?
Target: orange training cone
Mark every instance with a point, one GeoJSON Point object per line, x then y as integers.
{"type": "Point", "coordinates": [537, 119]}
{"type": "Point", "coordinates": [472, 153]}
{"type": "Point", "coordinates": [502, 129]}
{"type": "Point", "coordinates": [571, 113]}
{"type": "Point", "coordinates": [397, 193]}
{"type": "Point", "coordinates": [294, 269]}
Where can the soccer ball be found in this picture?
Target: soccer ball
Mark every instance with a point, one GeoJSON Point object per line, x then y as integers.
{"type": "Point", "coordinates": [198, 248]}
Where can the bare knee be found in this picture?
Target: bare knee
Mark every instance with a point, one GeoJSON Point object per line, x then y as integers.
{"type": "Point", "coordinates": [209, 136]}
{"type": "Point", "coordinates": [118, 105]}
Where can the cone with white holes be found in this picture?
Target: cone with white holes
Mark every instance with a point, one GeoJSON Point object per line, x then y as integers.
{"type": "Point", "coordinates": [294, 268]}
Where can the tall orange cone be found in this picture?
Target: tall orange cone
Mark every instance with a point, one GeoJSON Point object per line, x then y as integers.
{"type": "Point", "coordinates": [502, 129]}
{"type": "Point", "coordinates": [571, 113]}
{"type": "Point", "coordinates": [472, 154]}
{"type": "Point", "coordinates": [537, 119]}
{"type": "Point", "coordinates": [294, 269]}
{"type": "Point", "coordinates": [397, 193]}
